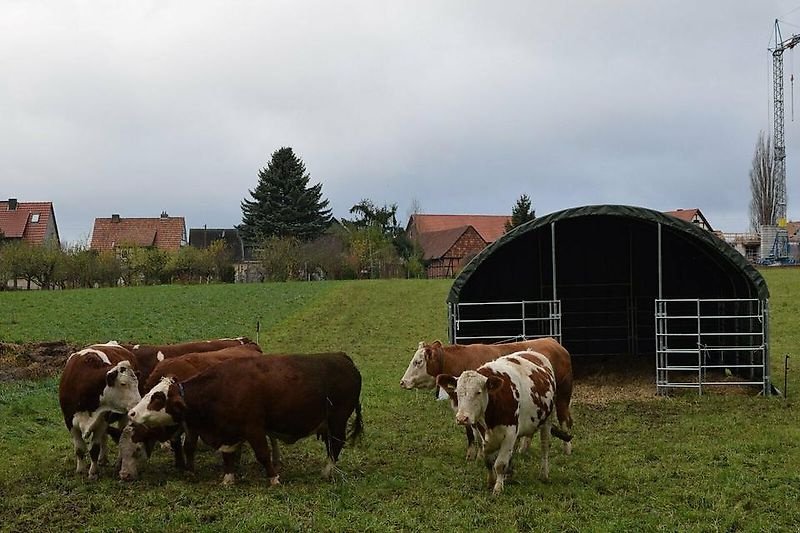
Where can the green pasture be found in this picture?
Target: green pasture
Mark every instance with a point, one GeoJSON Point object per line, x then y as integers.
{"type": "Point", "coordinates": [685, 463]}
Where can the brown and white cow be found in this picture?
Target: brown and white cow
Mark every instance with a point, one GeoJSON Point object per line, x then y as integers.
{"type": "Point", "coordinates": [433, 359]}
{"type": "Point", "coordinates": [97, 381]}
{"type": "Point", "coordinates": [149, 355]}
{"type": "Point", "coordinates": [506, 399]}
{"type": "Point", "coordinates": [136, 442]}
{"type": "Point", "coordinates": [288, 397]}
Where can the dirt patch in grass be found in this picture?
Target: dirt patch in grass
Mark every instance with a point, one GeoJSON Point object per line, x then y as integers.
{"type": "Point", "coordinates": [603, 379]}
{"type": "Point", "coordinates": [32, 361]}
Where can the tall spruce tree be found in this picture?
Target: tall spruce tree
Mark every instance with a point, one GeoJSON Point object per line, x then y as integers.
{"type": "Point", "coordinates": [283, 205]}
{"type": "Point", "coordinates": [521, 213]}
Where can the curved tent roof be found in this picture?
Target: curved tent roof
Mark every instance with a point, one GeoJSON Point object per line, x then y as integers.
{"type": "Point", "coordinates": [607, 243]}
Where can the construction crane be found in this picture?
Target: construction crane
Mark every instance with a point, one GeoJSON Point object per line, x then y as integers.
{"type": "Point", "coordinates": [779, 144]}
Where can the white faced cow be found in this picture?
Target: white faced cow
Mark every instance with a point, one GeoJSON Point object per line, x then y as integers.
{"type": "Point", "coordinates": [433, 359]}
{"type": "Point", "coordinates": [97, 381]}
{"type": "Point", "coordinates": [505, 399]}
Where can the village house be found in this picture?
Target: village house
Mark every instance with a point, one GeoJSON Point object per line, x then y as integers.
{"type": "Point", "coordinates": [449, 242]}
{"type": "Point", "coordinates": [29, 222]}
{"type": "Point", "coordinates": [163, 232]}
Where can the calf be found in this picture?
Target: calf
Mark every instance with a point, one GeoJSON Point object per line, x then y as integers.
{"type": "Point", "coordinates": [284, 396]}
{"type": "Point", "coordinates": [149, 355]}
{"type": "Point", "coordinates": [505, 399]}
{"type": "Point", "coordinates": [97, 381]}
{"type": "Point", "coordinates": [433, 359]}
{"type": "Point", "coordinates": [137, 442]}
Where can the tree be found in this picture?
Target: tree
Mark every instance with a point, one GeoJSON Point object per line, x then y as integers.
{"type": "Point", "coordinates": [763, 185]}
{"type": "Point", "coordinates": [521, 213]}
{"type": "Point", "coordinates": [283, 205]}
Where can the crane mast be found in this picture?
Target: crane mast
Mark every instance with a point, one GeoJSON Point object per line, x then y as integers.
{"type": "Point", "coordinates": [779, 144]}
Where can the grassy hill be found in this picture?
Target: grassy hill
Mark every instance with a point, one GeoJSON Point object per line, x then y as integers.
{"type": "Point", "coordinates": [712, 463]}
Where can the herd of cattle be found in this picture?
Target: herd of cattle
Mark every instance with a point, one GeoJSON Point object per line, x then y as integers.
{"type": "Point", "coordinates": [226, 392]}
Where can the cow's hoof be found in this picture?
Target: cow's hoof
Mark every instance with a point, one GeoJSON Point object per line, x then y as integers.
{"type": "Point", "coordinates": [471, 454]}
{"type": "Point", "coordinates": [228, 480]}
{"type": "Point", "coordinates": [568, 448]}
{"type": "Point", "coordinates": [93, 476]}
{"type": "Point", "coordinates": [273, 481]}
{"type": "Point", "coordinates": [497, 490]}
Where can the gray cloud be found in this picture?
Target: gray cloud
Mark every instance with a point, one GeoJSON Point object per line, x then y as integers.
{"type": "Point", "coordinates": [142, 106]}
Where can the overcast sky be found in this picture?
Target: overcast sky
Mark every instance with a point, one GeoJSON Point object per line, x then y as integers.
{"type": "Point", "coordinates": [142, 106]}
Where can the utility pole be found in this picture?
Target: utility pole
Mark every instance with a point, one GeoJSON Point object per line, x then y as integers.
{"type": "Point", "coordinates": [778, 140]}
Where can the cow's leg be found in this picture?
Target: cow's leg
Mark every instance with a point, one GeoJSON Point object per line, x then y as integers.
{"type": "Point", "coordinates": [229, 467]}
{"type": "Point", "coordinates": [276, 453]}
{"type": "Point", "coordinates": [544, 432]}
{"type": "Point", "coordinates": [189, 449]}
{"type": "Point", "coordinates": [80, 449]}
{"type": "Point", "coordinates": [472, 450]}
{"type": "Point", "coordinates": [524, 444]}
{"type": "Point", "coordinates": [98, 437]}
{"type": "Point", "coordinates": [504, 459]}
{"type": "Point", "coordinates": [177, 449]}
{"type": "Point", "coordinates": [262, 452]}
{"type": "Point", "coordinates": [103, 458]}
{"type": "Point", "coordinates": [567, 427]}
{"type": "Point", "coordinates": [334, 442]}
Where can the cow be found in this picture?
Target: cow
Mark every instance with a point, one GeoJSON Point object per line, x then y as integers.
{"type": "Point", "coordinates": [136, 442]}
{"type": "Point", "coordinates": [98, 381]}
{"type": "Point", "coordinates": [506, 399]}
{"type": "Point", "coordinates": [433, 359]}
{"type": "Point", "coordinates": [149, 355]}
{"type": "Point", "coordinates": [287, 397]}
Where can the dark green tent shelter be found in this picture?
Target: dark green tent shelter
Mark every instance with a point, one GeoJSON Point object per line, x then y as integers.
{"type": "Point", "coordinates": [620, 280]}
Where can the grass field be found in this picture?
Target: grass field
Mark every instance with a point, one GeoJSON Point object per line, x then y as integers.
{"type": "Point", "coordinates": [715, 463]}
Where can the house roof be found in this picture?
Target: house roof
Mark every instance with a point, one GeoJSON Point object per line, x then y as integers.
{"type": "Point", "coordinates": [203, 237]}
{"type": "Point", "coordinates": [689, 215]}
{"type": "Point", "coordinates": [18, 223]}
{"type": "Point", "coordinates": [489, 227]}
{"type": "Point", "coordinates": [435, 244]}
{"type": "Point", "coordinates": [165, 232]}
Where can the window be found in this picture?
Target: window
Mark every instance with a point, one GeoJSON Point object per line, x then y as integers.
{"type": "Point", "coordinates": [34, 217]}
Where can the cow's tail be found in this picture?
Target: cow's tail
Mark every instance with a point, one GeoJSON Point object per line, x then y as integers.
{"type": "Point", "coordinates": [357, 428]}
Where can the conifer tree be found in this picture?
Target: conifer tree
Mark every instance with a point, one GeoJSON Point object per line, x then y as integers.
{"type": "Point", "coordinates": [283, 204]}
{"type": "Point", "coordinates": [521, 213]}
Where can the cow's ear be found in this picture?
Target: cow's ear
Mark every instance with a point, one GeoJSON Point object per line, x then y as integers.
{"type": "Point", "coordinates": [446, 381]}
{"type": "Point", "coordinates": [437, 344]}
{"type": "Point", "coordinates": [493, 384]}
{"type": "Point", "coordinates": [111, 377]}
{"type": "Point", "coordinates": [427, 353]}
{"type": "Point", "coordinates": [448, 384]}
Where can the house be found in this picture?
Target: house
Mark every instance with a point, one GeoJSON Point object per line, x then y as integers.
{"type": "Point", "coordinates": [694, 216]}
{"type": "Point", "coordinates": [30, 222]}
{"type": "Point", "coordinates": [164, 232]}
{"type": "Point", "coordinates": [449, 242]}
{"type": "Point", "coordinates": [245, 269]}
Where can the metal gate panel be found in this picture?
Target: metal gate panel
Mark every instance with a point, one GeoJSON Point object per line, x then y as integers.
{"type": "Point", "coordinates": [496, 322]}
{"type": "Point", "coordinates": [699, 339]}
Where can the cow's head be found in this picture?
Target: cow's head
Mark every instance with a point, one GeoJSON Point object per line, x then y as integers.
{"type": "Point", "coordinates": [162, 406]}
{"type": "Point", "coordinates": [122, 388]}
{"type": "Point", "coordinates": [471, 394]}
{"type": "Point", "coordinates": [424, 366]}
{"type": "Point", "coordinates": [132, 452]}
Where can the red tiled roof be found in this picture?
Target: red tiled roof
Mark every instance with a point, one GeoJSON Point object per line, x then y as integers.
{"type": "Point", "coordinates": [689, 215]}
{"type": "Point", "coordinates": [435, 244]}
{"type": "Point", "coordinates": [489, 227]}
{"type": "Point", "coordinates": [165, 233]}
{"type": "Point", "coordinates": [18, 224]}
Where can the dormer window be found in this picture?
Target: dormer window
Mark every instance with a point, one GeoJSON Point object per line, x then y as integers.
{"type": "Point", "coordinates": [34, 217]}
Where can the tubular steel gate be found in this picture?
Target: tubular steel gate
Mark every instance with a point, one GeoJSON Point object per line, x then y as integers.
{"type": "Point", "coordinates": [496, 322]}
{"type": "Point", "coordinates": [702, 342]}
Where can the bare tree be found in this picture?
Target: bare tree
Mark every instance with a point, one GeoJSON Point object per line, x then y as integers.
{"type": "Point", "coordinates": [763, 185]}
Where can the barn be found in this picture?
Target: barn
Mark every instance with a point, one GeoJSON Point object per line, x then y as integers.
{"type": "Point", "coordinates": [621, 281]}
